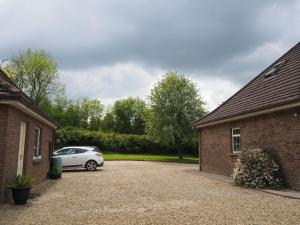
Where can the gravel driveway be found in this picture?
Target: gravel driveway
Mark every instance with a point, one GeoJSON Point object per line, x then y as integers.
{"type": "Point", "coordinates": [149, 193]}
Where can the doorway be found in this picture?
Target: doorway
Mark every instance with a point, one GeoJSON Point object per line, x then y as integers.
{"type": "Point", "coordinates": [21, 148]}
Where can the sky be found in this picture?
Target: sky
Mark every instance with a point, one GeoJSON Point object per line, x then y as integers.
{"type": "Point", "coordinates": [112, 49]}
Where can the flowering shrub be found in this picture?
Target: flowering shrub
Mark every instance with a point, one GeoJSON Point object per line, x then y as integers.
{"type": "Point", "coordinates": [256, 169]}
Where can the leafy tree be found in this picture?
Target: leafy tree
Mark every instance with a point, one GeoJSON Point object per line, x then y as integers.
{"type": "Point", "coordinates": [129, 116]}
{"type": "Point", "coordinates": [35, 72]}
{"type": "Point", "coordinates": [91, 113]}
{"type": "Point", "coordinates": [86, 113]}
{"type": "Point", "coordinates": [108, 122]}
{"type": "Point", "coordinates": [6, 69]}
{"type": "Point", "coordinates": [175, 103]}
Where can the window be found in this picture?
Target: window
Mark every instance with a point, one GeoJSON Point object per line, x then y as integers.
{"type": "Point", "coordinates": [79, 151]}
{"type": "Point", "coordinates": [236, 139]}
{"type": "Point", "coordinates": [66, 151]}
{"type": "Point", "coordinates": [274, 69]}
{"type": "Point", "coordinates": [96, 149]}
{"type": "Point", "coordinates": [37, 144]}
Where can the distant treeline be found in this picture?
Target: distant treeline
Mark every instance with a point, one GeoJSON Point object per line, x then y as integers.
{"type": "Point", "coordinates": [123, 143]}
{"type": "Point", "coordinates": [163, 122]}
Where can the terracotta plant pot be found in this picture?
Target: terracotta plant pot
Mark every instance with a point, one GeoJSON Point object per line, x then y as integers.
{"type": "Point", "coordinates": [20, 194]}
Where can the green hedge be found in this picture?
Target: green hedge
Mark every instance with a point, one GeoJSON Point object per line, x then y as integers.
{"type": "Point", "coordinates": [113, 142]}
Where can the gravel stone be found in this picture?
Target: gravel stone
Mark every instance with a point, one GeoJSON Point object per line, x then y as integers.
{"type": "Point", "coordinates": [131, 192]}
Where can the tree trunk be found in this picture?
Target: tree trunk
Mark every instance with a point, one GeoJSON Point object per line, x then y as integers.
{"type": "Point", "coordinates": [179, 147]}
{"type": "Point", "coordinates": [179, 151]}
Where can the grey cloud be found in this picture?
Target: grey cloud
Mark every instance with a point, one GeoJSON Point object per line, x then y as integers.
{"type": "Point", "coordinates": [230, 40]}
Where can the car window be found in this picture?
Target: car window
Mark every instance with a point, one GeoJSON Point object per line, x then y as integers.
{"type": "Point", "coordinates": [60, 152]}
{"type": "Point", "coordinates": [79, 151]}
{"type": "Point", "coordinates": [66, 151]}
{"type": "Point", "coordinates": [96, 149]}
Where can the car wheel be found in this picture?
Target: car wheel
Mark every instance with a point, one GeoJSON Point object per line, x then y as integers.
{"type": "Point", "coordinates": [91, 165]}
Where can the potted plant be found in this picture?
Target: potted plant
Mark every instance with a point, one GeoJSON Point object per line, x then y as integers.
{"type": "Point", "coordinates": [54, 172]}
{"type": "Point", "coordinates": [20, 188]}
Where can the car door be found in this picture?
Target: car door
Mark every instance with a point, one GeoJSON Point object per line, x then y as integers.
{"type": "Point", "coordinates": [67, 156]}
{"type": "Point", "coordinates": [70, 157]}
{"type": "Point", "coordinates": [80, 156]}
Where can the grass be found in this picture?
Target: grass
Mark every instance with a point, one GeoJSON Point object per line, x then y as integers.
{"type": "Point", "coordinates": [150, 157]}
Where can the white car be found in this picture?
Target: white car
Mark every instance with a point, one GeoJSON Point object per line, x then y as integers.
{"type": "Point", "coordinates": [88, 157]}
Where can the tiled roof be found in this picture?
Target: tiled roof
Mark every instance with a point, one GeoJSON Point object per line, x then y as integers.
{"type": "Point", "coordinates": [10, 91]}
{"type": "Point", "coordinates": [265, 91]}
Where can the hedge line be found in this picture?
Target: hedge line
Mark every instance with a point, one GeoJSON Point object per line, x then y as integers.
{"type": "Point", "coordinates": [113, 142]}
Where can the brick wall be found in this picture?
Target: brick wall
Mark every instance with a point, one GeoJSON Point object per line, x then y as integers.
{"type": "Point", "coordinates": [37, 169]}
{"type": "Point", "coordinates": [3, 131]}
{"type": "Point", "coordinates": [278, 133]}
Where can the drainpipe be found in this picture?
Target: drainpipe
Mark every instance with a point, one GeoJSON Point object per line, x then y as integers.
{"type": "Point", "coordinates": [199, 148]}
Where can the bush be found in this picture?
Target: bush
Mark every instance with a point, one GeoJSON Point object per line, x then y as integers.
{"type": "Point", "coordinates": [113, 142]}
{"type": "Point", "coordinates": [256, 169]}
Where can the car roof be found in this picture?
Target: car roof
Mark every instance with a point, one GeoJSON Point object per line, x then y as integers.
{"type": "Point", "coordinates": [81, 147]}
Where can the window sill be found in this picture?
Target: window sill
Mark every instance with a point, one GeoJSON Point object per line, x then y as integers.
{"type": "Point", "coordinates": [234, 153]}
{"type": "Point", "coordinates": [37, 160]}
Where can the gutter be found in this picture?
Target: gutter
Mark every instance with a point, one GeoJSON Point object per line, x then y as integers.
{"type": "Point", "coordinates": [28, 111]}
{"type": "Point", "coordinates": [257, 113]}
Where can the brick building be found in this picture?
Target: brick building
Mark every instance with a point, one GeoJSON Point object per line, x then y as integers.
{"type": "Point", "coordinates": [26, 136]}
{"type": "Point", "coordinates": [263, 114]}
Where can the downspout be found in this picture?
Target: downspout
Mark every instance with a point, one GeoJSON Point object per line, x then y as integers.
{"type": "Point", "coordinates": [199, 149]}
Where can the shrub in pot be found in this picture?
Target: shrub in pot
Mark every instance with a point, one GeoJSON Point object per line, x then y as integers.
{"type": "Point", "coordinates": [20, 188]}
{"type": "Point", "coordinates": [54, 172]}
{"type": "Point", "coordinates": [255, 168]}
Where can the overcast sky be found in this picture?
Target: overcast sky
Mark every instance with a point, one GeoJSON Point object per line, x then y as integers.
{"type": "Point", "coordinates": [118, 48]}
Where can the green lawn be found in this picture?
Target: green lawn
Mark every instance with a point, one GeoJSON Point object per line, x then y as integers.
{"type": "Point", "coordinates": [149, 157]}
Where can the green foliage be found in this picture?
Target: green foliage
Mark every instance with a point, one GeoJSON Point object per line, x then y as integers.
{"type": "Point", "coordinates": [35, 72]}
{"type": "Point", "coordinates": [8, 71]}
{"type": "Point", "coordinates": [129, 116]}
{"type": "Point", "coordinates": [256, 169]}
{"type": "Point", "coordinates": [86, 113]}
{"type": "Point", "coordinates": [175, 104]}
{"type": "Point", "coordinates": [21, 181]}
{"type": "Point", "coordinates": [113, 142]}
{"type": "Point", "coordinates": [108, 123]}
{"type": "Point", "coordinates": [55, 169]}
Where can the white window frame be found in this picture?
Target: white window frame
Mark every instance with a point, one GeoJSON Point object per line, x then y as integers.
{"type": "Point", "coordinates": [37, 153]}
{"type": "Point", "coordinates": [232, 139]}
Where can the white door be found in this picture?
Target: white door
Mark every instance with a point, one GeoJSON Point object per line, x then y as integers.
{"type": "Point", "coordinates": [21, 148]}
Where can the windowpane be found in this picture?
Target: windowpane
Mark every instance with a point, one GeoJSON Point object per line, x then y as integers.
{"type": "Point", "coordinates": [37, 143]}
{"type": "Point", "coordinates": [96, 149]}
{"type": "Point", "coordinates": [78, 151]}
{"type": "Point", "coordinates": [37, 148]}
{"type": "Point", "coordinates": [236, 139]}
{"type": "Point", "coordinates": [69, 151]}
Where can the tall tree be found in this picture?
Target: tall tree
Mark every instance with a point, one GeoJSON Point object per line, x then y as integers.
{"type": "Point", "coordinates": [130, 115]}
{"type": "Point", "coordinates": [108, 123]}
{"type": "Point", "coordinates": [35, 72]}
{"type": "Point", "coordinates": [86, 113]}
{"type": "Point", "coordinates": [175, 102]}
{"type": "Point", "coordinates": [91, 113]}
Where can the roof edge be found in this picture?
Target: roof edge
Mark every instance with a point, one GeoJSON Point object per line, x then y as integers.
{"type": "Point", "coordinates": [17, 104]}
{"type": "Point", "coordinates": [246, 85]}
{"type": "Point", "coordinates": [251, 114]}
{"type": "Point", "coordinates": [26, 101]}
